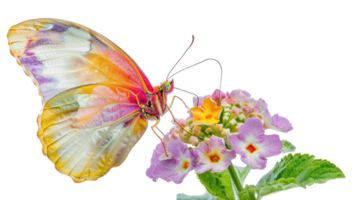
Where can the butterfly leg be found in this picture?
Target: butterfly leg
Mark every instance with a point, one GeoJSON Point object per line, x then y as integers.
{"type": "Point", "coordinates": [158, 136]}
{"type": "Point", "coordinates": [172, 115]}
{"type": "Point", "coordinates": [155, 125]}
{"type": "Point", "coordinates": [171, 112]}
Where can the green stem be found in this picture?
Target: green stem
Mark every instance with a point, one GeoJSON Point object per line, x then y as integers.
{"type": "Point", "coordinates": [235, 178]}
{"type": "Point", "coordinates": [233, 174]}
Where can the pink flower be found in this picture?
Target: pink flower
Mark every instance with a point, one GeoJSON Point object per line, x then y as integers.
{"type": "Point", "coordinates": [275, 122]}
{"type": "Point", "coordinates": [176, 166]}
{"type": "Point", "coordinates": [227, 101]}
{"type": "Point", "coordinates": [281, 123]}
{"type": "Point", "coordinates": [174, 133]}
{"type": "Point", "coordinates": [214, 157]}
{"type": "Point", "coordinates": [240, 96]}
{"type": "Point", "coordinates": [253, 145]}
{"type": "Point", "coordinates": [217, 94]}
{"type": "Point", "coordinates": [261, 106]}
{"type": "Point", "coordinates": [236, 110]}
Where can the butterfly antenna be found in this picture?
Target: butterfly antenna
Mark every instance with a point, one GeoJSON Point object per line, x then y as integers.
{"type": "Point", "coordinates": [171, 73]}
{"type": "Point", "coordinates": [218, 62]}
{"type": "Point", "coordinates": [219, 98]}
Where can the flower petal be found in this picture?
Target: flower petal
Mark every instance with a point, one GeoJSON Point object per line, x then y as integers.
{"type": "Point", "coordinates": [281, 123]}
{"type": "Point", "coordinates": [155, 159]}
{"type": "Point", "coordinates": [214, 157]}
{"type": "Point", "coordinates": [177, 169]}
{"type": "Point", "coordinates": [208, 113]}
{"type": "Point", "coordinates": [240, 96]}
{"type": "Point", "coordinates": [218, 95]}
{"type": "Point", "coordinates": [253, 145]}
{"type": "Point", "coordinates": [272, 145]}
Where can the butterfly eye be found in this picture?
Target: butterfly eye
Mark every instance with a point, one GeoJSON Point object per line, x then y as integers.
{"type": "Point", "coordinates": [166, 86]}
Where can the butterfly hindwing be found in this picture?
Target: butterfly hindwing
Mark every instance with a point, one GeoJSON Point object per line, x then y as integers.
{"type": "Point", "coordinates": [87, 130]}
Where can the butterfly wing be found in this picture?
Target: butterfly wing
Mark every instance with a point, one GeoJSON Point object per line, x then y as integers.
{"type": "Point", "coordinates": [59, 55]}
{"type": "Point", "coordinates": [87, 130]}
{"type": "Point", "coordinates": [92, 92]}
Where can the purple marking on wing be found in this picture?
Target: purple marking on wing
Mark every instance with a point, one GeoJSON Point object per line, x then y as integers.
{"type": "Point", "coordinates": [28, 53]}
{"type": "Point", "coordinates": [58, 29]}
{"type": "Point", "coordinates": [96, 40]}
{"type": "Point", "coordinates": [43, 80]}
{"type": "Point", "coordinates": [32, 63]}
{"type": "Point", "coordinates": [36, 70]}
{"type": "Point", "coordinates": [45, 41]}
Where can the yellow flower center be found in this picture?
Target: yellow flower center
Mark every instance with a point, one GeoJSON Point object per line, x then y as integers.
{"type": "Point", "coordinates": [214, 158]}
{"type": "Point", "coordinates": [185, 165]}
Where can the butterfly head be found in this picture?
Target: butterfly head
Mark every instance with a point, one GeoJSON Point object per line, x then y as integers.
{"type": "Point", "coordinates": [157, 100]}
{"type": "Point", "coordinates": [168, 86]}
{"type": "Point", "coordinates": [164, 86]}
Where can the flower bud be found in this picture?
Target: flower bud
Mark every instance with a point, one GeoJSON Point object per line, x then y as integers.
{"type": "Point", "coordinates": [194, 140]}
{"type": "Point", "coordinates": [219, 127]}
{"type": "Point", "coordinates": [225, 132]}
{"type": "Point", "coordinates": [207, 140]}
{"type": "Point", "coordinates": [196, 130]}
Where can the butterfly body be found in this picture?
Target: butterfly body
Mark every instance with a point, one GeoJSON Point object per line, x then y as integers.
{"type": "Point", "coordinates": [96, 100]}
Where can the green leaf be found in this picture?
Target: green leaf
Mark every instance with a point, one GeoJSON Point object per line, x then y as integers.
{"type": "Point", "coordinates": [267, 189]}
{"type": "Point", "coordinates": [248, 193]}
{"type": "Point", "coordinates": [276, 186]}
{"type": "Point", "coordinates": [206, 196]}
{"type": "Point", "coordinates": [292, 171]}
{"type": "Point", "coordinates": [218, 184]}
{"type": "Point", "coordinates": [287, 147]}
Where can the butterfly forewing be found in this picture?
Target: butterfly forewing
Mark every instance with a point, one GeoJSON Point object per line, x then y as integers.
{"type": "Point", "coordinates": [60, 55]}
{"type": "Point", "coordinates": [92, 93]}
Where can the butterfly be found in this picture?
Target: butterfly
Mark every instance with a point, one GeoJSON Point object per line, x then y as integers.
{"type": "Point", "coordinates": [96, 99]}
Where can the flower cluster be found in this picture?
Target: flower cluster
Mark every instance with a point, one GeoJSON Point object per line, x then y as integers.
{"type": "Point", "coordinates": [220, 126]}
